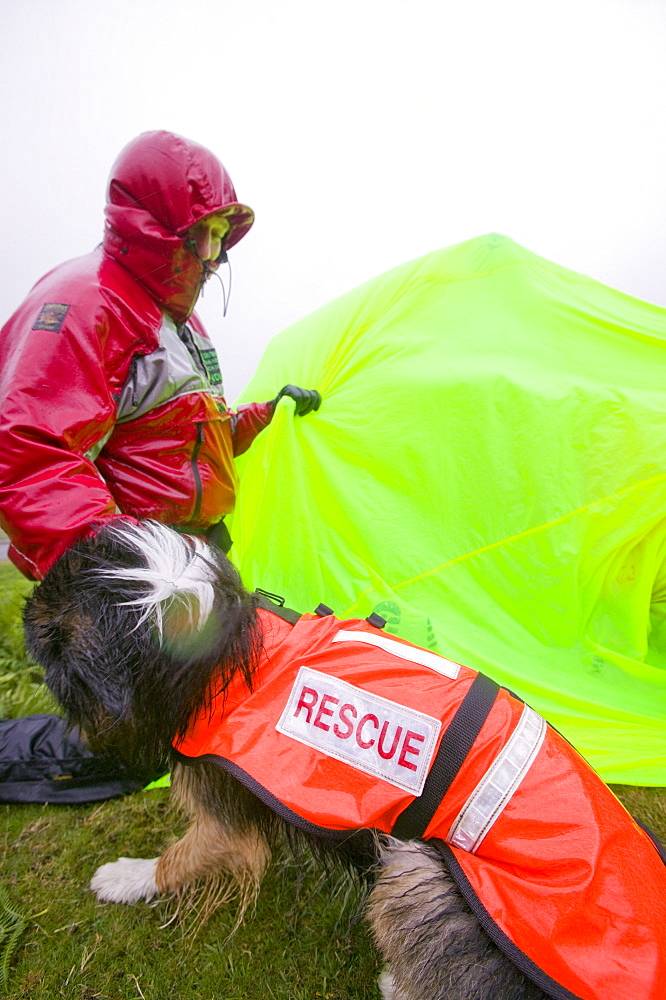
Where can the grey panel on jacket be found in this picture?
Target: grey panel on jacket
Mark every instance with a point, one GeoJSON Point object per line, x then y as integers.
{"type": "Point", "coordinates": [173, 369]}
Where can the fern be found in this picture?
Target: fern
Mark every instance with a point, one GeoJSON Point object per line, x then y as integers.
{"type": "Point", "coordinates": [12, 925]}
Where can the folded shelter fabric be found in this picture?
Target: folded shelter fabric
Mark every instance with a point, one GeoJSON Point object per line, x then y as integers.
{"type": "Point", "coordinates": [42, 759]}
{"type": "Point", "coordinates": [488, 472]}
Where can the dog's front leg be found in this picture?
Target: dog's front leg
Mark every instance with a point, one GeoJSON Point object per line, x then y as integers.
{"type": "Point", "coordinates": [205, 851]}
{"type": "Point", "coordinates": [217, 845]}
{"type": "Point", "coordinates": [210, 850]}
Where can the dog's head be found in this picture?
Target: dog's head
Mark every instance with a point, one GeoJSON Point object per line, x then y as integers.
{"type": "Point", "coordinates": [130, 625]}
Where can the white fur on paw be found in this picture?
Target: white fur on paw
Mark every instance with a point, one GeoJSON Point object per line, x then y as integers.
{"type": "Point", "coordinates": [387, 986]}
{"type": "Point", "coordinates": [126, 880]}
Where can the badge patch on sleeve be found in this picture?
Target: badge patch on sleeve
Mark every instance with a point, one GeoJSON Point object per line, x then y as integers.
{"type": "Point", "coordinates": [362, 729]}
{"type": "Point", "coordinates": [51, 317]}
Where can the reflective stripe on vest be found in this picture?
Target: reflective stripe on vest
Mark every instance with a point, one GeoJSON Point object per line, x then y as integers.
{"type": "Point", "coordinates": [505, 774]}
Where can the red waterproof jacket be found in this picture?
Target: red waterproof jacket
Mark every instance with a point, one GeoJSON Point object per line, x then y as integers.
{"type": "Point", "coordinates": [111, 397]}
{"type": "Point", "coordinates": [348, 728]}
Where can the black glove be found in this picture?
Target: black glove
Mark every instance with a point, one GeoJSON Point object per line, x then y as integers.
{"type": "Point", "coordinates": [306, 399]}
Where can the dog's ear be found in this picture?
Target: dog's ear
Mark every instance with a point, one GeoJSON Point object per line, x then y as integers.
{"type": "Point", "coordinates": [81, 642]}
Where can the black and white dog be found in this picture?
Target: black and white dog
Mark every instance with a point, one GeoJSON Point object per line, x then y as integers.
{"type": "Point", "coordinates": [132, 626]}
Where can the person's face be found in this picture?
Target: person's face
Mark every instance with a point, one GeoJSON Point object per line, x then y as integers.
{"type": "Point", "coordinates": [207, 236]}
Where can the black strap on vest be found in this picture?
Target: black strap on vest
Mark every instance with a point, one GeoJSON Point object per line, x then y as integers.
{"type": "Point", "coordinates": [264, 601]}
{"type": "Point", "coordinates": [456, 743]}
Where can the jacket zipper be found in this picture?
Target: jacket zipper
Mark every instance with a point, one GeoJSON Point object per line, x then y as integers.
{"type": "Point", "coordinates": [196, 474]}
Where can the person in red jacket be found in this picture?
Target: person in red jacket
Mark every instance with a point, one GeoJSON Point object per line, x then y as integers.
{"type": "Point", "coordinates": [111, 397]}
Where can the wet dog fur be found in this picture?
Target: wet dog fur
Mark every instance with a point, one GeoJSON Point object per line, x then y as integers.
{"type": "Point", "coordinates": [131, 626]}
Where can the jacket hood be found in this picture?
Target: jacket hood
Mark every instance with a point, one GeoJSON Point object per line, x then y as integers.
{"type": "Point", "coordinates": [160, 185]}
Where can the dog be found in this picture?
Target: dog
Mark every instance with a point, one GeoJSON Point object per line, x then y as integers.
{"type": "Point", "coordinates": [155, 649]}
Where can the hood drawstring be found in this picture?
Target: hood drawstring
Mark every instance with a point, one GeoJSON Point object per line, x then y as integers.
{"type": "Point", "coordinates": [209, 272]}
{"type": "Point", "coordinates": [226, 291]}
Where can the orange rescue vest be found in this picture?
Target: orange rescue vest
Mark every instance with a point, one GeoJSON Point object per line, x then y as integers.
{"type": "Point", "coordinates": [348, 728]}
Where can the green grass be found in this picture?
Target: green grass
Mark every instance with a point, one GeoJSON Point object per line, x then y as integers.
{"type": "Point", "coordinates": [21, 689]}
{"type": "Point", "coordinates": [297, 946]}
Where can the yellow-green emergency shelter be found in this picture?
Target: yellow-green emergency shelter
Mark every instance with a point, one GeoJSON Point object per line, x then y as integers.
{"type": "Point", "coordinates": [488, 472]}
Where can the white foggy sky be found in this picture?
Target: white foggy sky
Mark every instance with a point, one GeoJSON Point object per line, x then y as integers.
{"type": "Point", "coordinates": [363, 133]}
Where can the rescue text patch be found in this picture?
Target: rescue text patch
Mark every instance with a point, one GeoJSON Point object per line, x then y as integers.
{"type": "Point", "coordinates": [362, 729]}
{"type": "Point", "coordinates": [51, 317]}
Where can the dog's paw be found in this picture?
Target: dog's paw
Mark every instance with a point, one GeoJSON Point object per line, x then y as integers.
{"type": "Point", "coordinates": [387, 987]}
{"type": "Point", "coordinates": [126, 880]}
